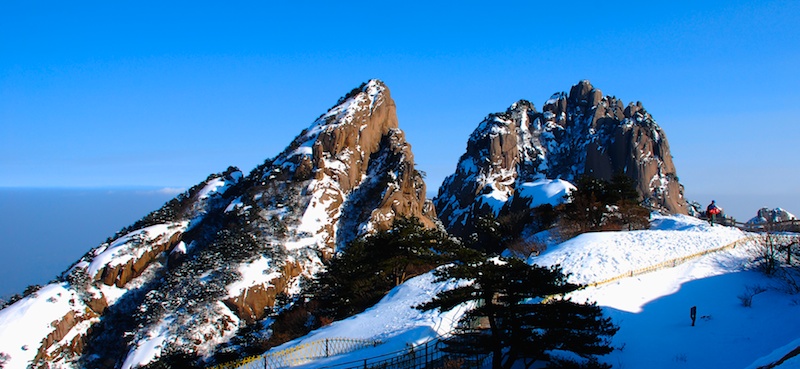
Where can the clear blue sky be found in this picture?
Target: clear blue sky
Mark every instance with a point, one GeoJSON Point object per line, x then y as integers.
{"type": "Point", "coordinates": [97, 94]}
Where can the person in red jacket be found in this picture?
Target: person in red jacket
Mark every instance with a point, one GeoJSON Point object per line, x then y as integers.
{"type": "Point", "coordinates": [712, 210]}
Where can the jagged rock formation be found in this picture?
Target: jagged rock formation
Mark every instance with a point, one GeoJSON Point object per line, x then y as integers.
{"type": "Point", "coordinates": [580, 133]}
{"type": "Point", "coordinates": [232, 250]}
{"type": "Point", "coordinates": [767, 215]}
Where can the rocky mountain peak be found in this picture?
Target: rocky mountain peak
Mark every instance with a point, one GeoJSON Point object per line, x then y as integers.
{"type": "Point", "coordinates": [338, 152]}
{"type": "Point", "coordinates": [583, 132]}
{"type": "Point", "coordinates": [347, 134]}
{"type": "Point", "coordinates": [349, 173]}
{"type": "Point", "coordinates": [634, 110]}
{"type": "Point", "coordinates": [584, 93]}
{"type": "Point", "coordinates": [521, 106]}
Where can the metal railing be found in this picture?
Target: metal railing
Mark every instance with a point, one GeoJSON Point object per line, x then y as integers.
{"type": "Point", "coordinates": [300, 354]}
{"type": "Point", "coordinates": [782, 226]}
{"type": "Point", "coordinates": [426, 355]}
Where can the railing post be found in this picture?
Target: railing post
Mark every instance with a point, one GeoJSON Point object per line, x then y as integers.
{"type": "Point", "coordinates": [327, 352]}
{"type": "Point", "coordinates": [427, 359]}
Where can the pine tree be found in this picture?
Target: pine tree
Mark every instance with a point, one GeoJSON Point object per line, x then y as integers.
{"type": "Point", "coordinates": [597, 204]}
{"type": "Point", "coordinates": [621, 188]}
{"type": "Point", "coordinates": [587, 207]}
{"type": "Point", "coordinates": [370, 266]}
{"type": "Point", "coordinates": [521, 313]}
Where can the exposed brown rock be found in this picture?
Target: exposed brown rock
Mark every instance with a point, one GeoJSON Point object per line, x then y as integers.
{"type": "Point", "coordinates": [632, 109]}
{"type": "Point", "coordinates": [352, 139]}
{"type": "Point", "coordinates": [61, 328]}
{"type": "Point", "coordinates": [408, 199]}
{"type": "Point", "coordinates": [355, 141]}
{"type": "Point", "coordinates": [642, 152]}
{"type": "Point", "coordinates": [121, 274]}
{"type": "Point", "coordinates": [584, 92]}
{"type": "Point", "coordinates": [252, 304]}
{"type": "Point", "coordinates": [98, 305]}
{"type": "Point", "coordinates": [630, 142]}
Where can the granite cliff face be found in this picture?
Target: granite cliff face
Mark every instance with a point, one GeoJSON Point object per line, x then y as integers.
{"type": "Point", "coordinates": [232, 250]}
{"type": "Point", "coordinates": [583, 132]}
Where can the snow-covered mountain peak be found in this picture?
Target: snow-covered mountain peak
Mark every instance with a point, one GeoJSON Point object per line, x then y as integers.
{"type": "Point", "coordinates": [350, 114]}
{"type": "Point", "coordinates": [368, 96]}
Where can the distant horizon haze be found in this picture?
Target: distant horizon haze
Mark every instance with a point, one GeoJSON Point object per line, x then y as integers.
{"type": "Point", "coordinates": [43, 231]}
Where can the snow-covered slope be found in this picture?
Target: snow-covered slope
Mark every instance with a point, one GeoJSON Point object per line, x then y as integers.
{"type": "Point", "coordinates": [652, 310]}
{"type": "Point", "coordinates": [394, 322]}
{"type": "Point", "coordinates": [785, 357]}
{"type": "Point", "coordinates": [55, 313]}
{"type": "Point", "coordinates": [597, 256]}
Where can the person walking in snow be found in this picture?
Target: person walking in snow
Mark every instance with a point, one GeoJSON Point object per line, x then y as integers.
{"type": "Point", "coordinates": [712, 210]}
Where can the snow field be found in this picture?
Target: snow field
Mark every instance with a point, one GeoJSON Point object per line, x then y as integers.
{"type": "Point", "coordinates": [655, 327]}
{"type": "Point", "coordinates": [598, 256]}
{"type": "Point", "coordinates": [652, 310]}
{"type": "Point", "coordinates": [253, 274]}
